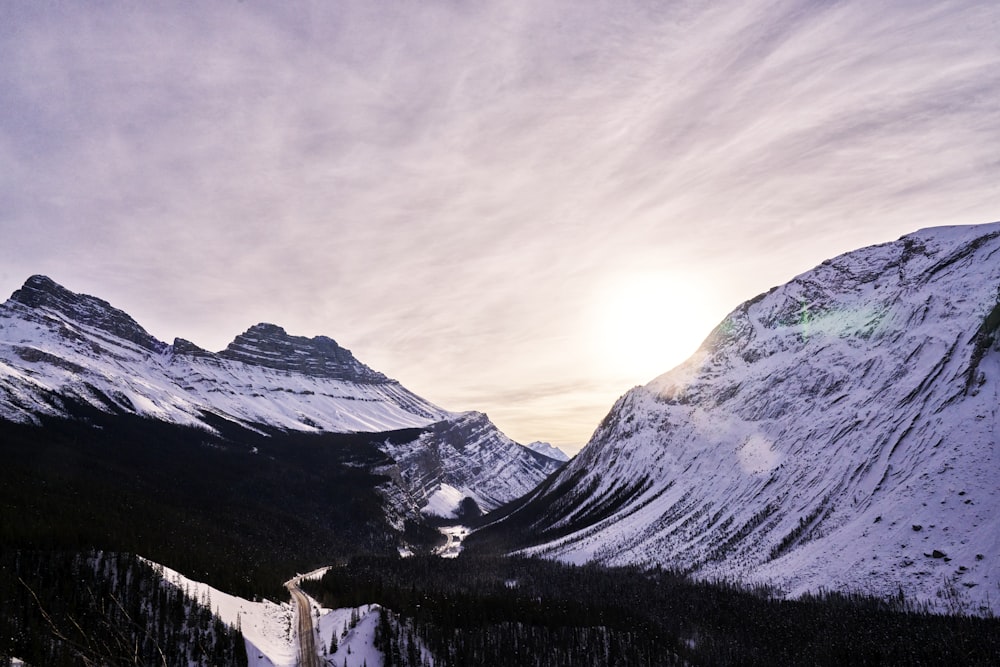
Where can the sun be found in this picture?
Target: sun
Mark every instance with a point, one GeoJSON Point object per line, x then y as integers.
{"type": "Point", "coordinates": [646, 323]}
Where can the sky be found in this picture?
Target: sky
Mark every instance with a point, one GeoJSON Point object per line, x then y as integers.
{"type": "Point", "coordinates": [523, 208]}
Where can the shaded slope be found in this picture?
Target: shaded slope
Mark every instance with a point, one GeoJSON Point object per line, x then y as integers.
{"type": "Point", "coordinates": [240, 509]}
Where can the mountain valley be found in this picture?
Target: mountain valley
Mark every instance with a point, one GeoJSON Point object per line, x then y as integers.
{"type": "Point", "coordinates": [822, 470]}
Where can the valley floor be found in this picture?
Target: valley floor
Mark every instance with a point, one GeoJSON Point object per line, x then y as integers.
{"type": "Point", "coordinates": [270, 629]}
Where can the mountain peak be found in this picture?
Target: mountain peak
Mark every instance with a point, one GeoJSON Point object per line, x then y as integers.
{"type": "Point", "coordinates": [41, 292]}
{"type": "Point", "coordinates": [549, 450]}
{"type": "Point", "coordinates": [270, 346]}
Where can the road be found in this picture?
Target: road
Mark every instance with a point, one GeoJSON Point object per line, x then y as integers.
{"type": "Point", "coordinates": [307, 638]}
{"type": "Point", "coordinates": [453, 546]}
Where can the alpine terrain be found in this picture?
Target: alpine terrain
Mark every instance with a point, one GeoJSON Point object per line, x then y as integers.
{"type": "Point", "coordinates": [60, 350]}
{"type": "Point", "coordinates": [838, 432]}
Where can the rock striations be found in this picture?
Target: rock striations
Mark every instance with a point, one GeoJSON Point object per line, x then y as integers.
{"type": "Point", "coordinates": [43, 295]}
{"type": "Point", "coordinates": [269, 346]}
{"type": "Point", "coordinates": [467, 457]}
{"type": "Point", "coordinates": [58, 348]}
{"type": "Point", "coordinates": [838, 432]}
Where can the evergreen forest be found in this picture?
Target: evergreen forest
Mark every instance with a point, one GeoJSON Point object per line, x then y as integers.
{"type": "Point", "coordinates": [244, 510]}
{"type": "Point", "coordinates": [480, 610]}
{"type": "Point", "coordinates": [68, 609]}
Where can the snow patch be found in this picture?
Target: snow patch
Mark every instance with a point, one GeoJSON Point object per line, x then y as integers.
{"type": "Point", "coordinates": [444, 502]}
{"type": "Point", "coordinates": [758, 455]}
{"type": "Point", "coordinates": [549, 450]}
{"type": "Point", "coordinates": [355, 645]}
{"type": "Point", "coordinates": [453, 547]}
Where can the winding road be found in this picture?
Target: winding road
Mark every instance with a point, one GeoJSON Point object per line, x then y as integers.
{"type": "Point", "coordinates": [307, 638]}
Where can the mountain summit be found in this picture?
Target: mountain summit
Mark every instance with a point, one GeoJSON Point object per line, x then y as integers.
{"type": "Point", "coordinates": [57, 345]}
{"type": "Point", "coordinates": [269, 346]}
{"type": "Point", "coordinates": [41, 293]}
{"type": "Point", "coordinates": [839, 432]}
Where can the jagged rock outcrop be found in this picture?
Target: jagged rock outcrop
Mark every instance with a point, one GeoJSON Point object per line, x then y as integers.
{"type": "Point", "coordinates": [269, 346]}
{"type": "Point", "coordinates": [813, 429]}
{"type": "Point", "coordinates": [60, 345]}
{"type": "Point", "coordinates": [42, 294]}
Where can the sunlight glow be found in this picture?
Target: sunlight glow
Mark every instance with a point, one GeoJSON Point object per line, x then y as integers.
{"type": "Point", "coordinates": [644, 324]}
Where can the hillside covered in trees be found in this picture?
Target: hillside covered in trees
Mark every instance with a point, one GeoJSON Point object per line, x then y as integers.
{"type": "Point", "coordinates": [490, 610]}
{"type": "Point", "coordinates": [68, 609]}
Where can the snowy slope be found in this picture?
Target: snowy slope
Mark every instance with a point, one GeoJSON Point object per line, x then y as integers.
{"type": "Point", "coordinates": [268, 627]}
{"type": "Point", "coordinates": [54, 342]}
{"type": "Point", "coordinates": [837, 432]}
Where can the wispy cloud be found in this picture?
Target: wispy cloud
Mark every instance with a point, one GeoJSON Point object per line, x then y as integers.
{"type": "Point", "coordinates": [444, 186]}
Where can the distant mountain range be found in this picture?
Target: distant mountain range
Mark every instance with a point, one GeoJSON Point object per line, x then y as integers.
{"type": "Point", "coordinates": [838, 432]}
{"type": "Point", "coordinates": [59, 349]}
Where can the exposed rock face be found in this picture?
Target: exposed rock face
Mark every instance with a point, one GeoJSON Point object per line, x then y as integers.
{"type": "Point", "coordinates": [42, 293]}
{"type": "Point", "coordinates": [182, 347]}
{"type": "Point", "coordinates": [57, 343]}
{"type": "Point", "coordinates": [815, 428]}
{"type": "Point", "coordinates": [269, 346]}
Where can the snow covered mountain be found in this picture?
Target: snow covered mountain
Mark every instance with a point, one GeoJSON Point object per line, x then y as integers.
{"type": "Point", "coordinates": [467, 457]}
{"type": "Point", "coordinates": [838, 432]}
{"type": "Point", "coordinates": [59, 348]}
{"type": "Point", "coordinates": [549, 450]}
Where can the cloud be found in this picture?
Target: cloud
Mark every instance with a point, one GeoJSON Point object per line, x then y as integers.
{"type": "Point", "coordinates": [444, 186]}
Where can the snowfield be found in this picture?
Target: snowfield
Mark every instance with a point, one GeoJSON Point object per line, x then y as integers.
{"type": "Point", "coordinates": [44, 351]}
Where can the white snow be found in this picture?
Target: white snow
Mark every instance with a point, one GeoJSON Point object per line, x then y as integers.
{"type": "Point", "coordinates": [455, 535]}
{"type": "Point", "coordinates": [44, 352]}
{"type": "Point", "coordinates": [466, 456]}
{"type": "Point", "coordinates": [444, 502]}
{"type": "Point", "coordinates": [37, 354]}
{"type": "Point", "coordinates": [758, 455]}
{"type": "Point", "coordinates": [549, 450]}
{"type": "Point", "coordinates": [357, 647]}
{"type": "Point", "coordinates": [269, 627]}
